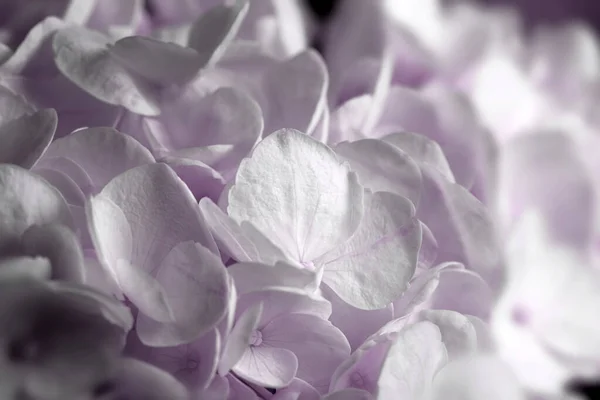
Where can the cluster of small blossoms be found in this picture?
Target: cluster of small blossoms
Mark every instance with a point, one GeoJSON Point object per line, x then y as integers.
{"type": "Point", "coordinates": [195, 204]}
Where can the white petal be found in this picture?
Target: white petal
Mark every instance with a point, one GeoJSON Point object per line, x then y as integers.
{"type": "Point", "coordinates": [296, 191]}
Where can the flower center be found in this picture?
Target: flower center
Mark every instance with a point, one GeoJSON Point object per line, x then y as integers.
{"type": "Point", "coordinates": [255, 338]}
{"type": "Point", "coordinates": [308, 265]}
{"type": "Point", "coordinates": [520, 315]}
{"type": "Point", "coordinates": [357, 380]}
{"type": "Point", "coordinates": [191, 364]}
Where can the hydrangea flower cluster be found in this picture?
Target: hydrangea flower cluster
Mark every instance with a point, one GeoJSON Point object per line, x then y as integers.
{"type": "Point", "coordinates": [195, 204]}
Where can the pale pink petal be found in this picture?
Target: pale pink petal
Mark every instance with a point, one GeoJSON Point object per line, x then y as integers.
{"type": "Point", "coordinates": [237, 343]}
{"type": "Point", "coordinates": [420, 290]}
{"type": "Point", "coordinates": [157, 61]}
{"type": "Point", "coordinates": [461, 225]}
{"type": "Point", "coordinates": [150, 196]}
{"type": "Point", "coordinates": [422, 150]}
{"type": "Point", "coordinates": [67, 167]}
{"type": "Point", "coordinates": [355, 34]}
{"type": "Point", "coordinates": [240, 391]}
{"type": "Point", "coordinates": [408, 110]}
{"type": "Point", "coordinates": [349, 394]}
{"type": "Point", "coordinates": [102, 154]}
{"type": "Point", "coordinates": [249, 277]}
{"type": "Point", "coordinates": [280, 301]}
{"type": "Point", "coordinates": [27, 55]}
{"type": "Point", "coordinates": [218, 129]}
{"type": "Point", "coordinates": [356, 324]}
{"type": "Point", "coordinates": [463, 291]}
{"type": "Point", "coordinates": [318, 345]}
{"type": "Point", "coordinates": [293, 93]}
{"type": "Point", "coordinates": [458, 333]}
{"type": "Point", "coordinates": [348, 121]}
{"type": "Point", "coordinates": [138, 380]}
{"type": "Point", "coordinates": [392, 170]}
{"type": "Point", "coordinates": [195, 285]}
{"type": "Point", "coordinates": [202, 180]}
{"type": "Point", "coordinates": [83, 56]}
{"type": "Point", "coordinates": [267, 366]}
{"type": "Point", "coordinates": [72, 193]}
{"type": "Point", "coordinates": [412, 362]}
{"type": "Point", "coordinates": [215, 29]}
{"type": "Point", "coordinates": [297, 390]}
{"type": "Point", "coordinates": [237, 241]}
{"type": "Point", "coordinates": [143, 290]}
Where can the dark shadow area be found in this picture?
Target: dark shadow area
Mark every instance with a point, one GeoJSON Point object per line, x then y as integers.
{"type": "Point", "coordinates": [589, 389]}
{"type": "Point", "coordinates": [322, 8]}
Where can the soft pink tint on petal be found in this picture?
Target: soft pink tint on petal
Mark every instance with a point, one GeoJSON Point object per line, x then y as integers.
{"type": "Point", "coordinates": [73, 195]}
{"type": "Point", "coordinates": [138, 380]}
{"type": "Point", "coordinates": [280, 301]}
{"type": "Point", "coordinates": [195, 286]}
{"type": "Point", "coordinates": [392, 170]}
{"type": "Point", "coordinates": [458, 333]}
{"type": "Point", "coordinates": [202, 180]}
{"type": "Point", "coordinates": [355, 323]}
{"type": "Point", "coordinates": [160, 211]}
{"type": "Point", "coordinates": [237, 241]}
{"type": "Point", "coordinates": [422, 150]}
{"type": "Point", "coordinates": [102, 153]}
{"type": "Point", "coordinates": [216, 28]}
{"type": "Point", "coordinates": [348, 121]}
{"type": "Point", "coordinates": [83, 57]}
{"type": "Point", "coordinates": [362, 370]}
{"type": "Point", "coordinates": [267, 366]}
{"type": "Point", "coordinates": [293, 93]}
{"type": "Point", "coordinates": [319, 346]}
{"type": "Point", "coordinates": [240, 391]}
{"type": "Point", "coordinates": [349, 394]}
{"type": "Point", "coordinates": [356, 33]}
{"type": "Point", "coordinates": [237, 342]}
{"type": "Point", "coordinates": [412, 362]}
{"type": "Point", "coordinates": [143, 291]}
{"type": "Point", "coordinates": [297, 390]}
{"type": "Point", "coordinates": [463, 291]}
{"type": "Point", "coordinates": [461, 225]}
{"type": "Point", "coordinates": [157, 61]}
{"type": "Point", "coordinates": [420, 290]}
{"type": "Point", "coordinates": [249, 277]}
{"type": "Point", "coordinates": [545, 170]}
{"type": "Point", "coordinates": [218, 129]}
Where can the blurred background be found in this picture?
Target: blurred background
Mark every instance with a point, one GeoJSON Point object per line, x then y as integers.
{"type": "Point", "coordinates": [534, 11]}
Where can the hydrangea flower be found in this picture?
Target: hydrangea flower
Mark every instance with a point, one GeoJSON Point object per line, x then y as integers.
{"type": "Point", "coordinates": [195, 204]}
